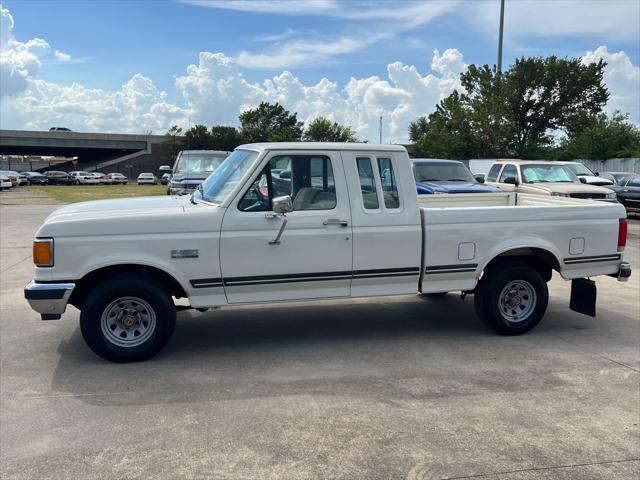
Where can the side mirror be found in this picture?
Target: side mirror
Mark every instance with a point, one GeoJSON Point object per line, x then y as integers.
{"type": "Point", "coordinates": [511, 181]}
{"type": "Point", "coordinates": [165, 169]}
{"type": "Point", "coordinates": [282, 205]}
{"type": "Point", "coordinates": [583, 180]}
{"type": "Point", "coordinates": [597, 174]}
{"type": "Point", "coordinates": [480, 178]}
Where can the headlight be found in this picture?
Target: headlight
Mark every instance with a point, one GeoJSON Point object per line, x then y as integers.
{"type": "Point", "coordinates": [558, 194]}
{"type": "Point", "coordinates": [43, 252]}
{"type": "Point", "coordinates": [611, 196]}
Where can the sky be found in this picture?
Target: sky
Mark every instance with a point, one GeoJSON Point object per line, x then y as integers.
{"type": "Point", "coordinates": [139, 66]}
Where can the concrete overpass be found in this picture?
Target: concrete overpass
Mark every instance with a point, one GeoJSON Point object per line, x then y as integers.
{"type": "Point", "coordinates": [85, 146]}
{"type": "Point", "coordinates": [93, 151]}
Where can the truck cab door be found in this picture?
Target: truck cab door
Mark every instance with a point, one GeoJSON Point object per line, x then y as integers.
{"type": "Point", "coordinates": [508, 175]}
{"type": "Point", "coordinates": [387, 233]}
{"type": "Point", "coordinates": [313, 256]}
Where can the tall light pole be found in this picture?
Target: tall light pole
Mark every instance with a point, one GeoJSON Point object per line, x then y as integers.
{"type": "Point", "coordinates": [380, 129]}
{"type": "Point", "coordinates": [500, 35]}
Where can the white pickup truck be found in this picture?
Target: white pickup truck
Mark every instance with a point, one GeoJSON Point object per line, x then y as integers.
{"type": "Point", "coordinates": [296, 221]}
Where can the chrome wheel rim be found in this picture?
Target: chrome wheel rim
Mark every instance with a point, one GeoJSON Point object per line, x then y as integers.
{"type": "Point", "coordinates": [517, 301]}
{"type": "Point", "coordinates": [128, 322]}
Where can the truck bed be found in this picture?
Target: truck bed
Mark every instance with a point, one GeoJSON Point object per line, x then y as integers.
{"type": "Point", "coordinates": [462, 233]}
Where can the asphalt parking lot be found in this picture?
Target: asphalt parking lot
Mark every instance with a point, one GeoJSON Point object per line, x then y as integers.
{"type": "Point", "coordinates": [400, 387]}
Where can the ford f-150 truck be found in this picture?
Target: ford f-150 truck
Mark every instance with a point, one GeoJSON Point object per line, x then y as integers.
{"type": "Point", "coordinates": [296, 221]}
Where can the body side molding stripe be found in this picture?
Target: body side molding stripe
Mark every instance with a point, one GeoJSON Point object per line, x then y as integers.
{"type": "Point", "coordinates": [595, 258]}
{"type": "Point", "coordinates": [303, 277]}
{"type": "Point", "coordinates": [459, 268]}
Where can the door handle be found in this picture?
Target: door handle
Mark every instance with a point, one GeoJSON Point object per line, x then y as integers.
{"type": "Point", "coordinates": [335, 221]}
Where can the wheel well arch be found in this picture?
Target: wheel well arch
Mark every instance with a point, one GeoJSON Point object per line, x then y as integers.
{"type": "Point", "coordinates": [165, 280]}
{"type": "Point", "coordinates": [540, 259]}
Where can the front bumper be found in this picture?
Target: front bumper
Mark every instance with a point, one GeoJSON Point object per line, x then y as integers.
{"type": "Point", "coordinates": [48, 299]}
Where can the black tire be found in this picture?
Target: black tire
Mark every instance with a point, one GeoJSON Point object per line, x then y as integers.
{"type": "Point", "coordinates": [528, 300]}
{"type": "Point", "coordinates": [104, 296]}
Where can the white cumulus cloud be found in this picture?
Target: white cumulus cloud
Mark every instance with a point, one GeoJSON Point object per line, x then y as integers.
{"type": "Point", "coordinates": [62, 56]}
{"type": "Point", "coordinates": [215, 91]}
{"type": "Point", "coordinates": [136, 107]}
{"type": "Point", "coordinates": [623, 79]}
{"type": "Point", "coordinates": [18, 60]}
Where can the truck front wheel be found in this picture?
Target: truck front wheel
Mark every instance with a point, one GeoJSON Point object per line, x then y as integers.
{"type": "Point", "coordinates": [127, 318]}
{"type": "Point", "coordinates": [511, 300]}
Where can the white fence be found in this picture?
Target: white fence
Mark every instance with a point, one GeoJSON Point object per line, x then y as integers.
{"type": "Point", "coordinates": [609, 165]}
{"type": "Point", "coordinates": [613, 165]}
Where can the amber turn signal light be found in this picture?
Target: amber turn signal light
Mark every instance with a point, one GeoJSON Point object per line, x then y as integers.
{"type": "Point", "coordinates": [43, 253]}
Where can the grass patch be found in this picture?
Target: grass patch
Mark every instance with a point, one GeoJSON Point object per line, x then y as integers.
{"type": "Point", "coordinates": [82, 193]}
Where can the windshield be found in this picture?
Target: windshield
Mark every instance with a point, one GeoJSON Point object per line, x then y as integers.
{"type": "Point", "coordinates": [579, 169]}
{"type": "Point", "coordinates": [547, 173]}
{"type": "Point", "coordinates": [634, 182]}
{"type": "Point", "coordinates": [198, 162]}
{"type": "Point", "coordinates": [217, 187]}
{"type": "Point", "coordinates": [442, 172]}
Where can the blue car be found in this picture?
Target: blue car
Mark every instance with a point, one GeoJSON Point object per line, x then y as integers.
{"type": "Point", "coordinates": [446, 176]}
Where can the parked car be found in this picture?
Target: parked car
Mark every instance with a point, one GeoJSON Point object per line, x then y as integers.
{"type": "Point", "coordinates": [59, 129]}
{"type": "Point", "coordinates": [339, 232]}
{"type": "Point", "coordinates": [83, 178]}
{"type": "Point", "coordinates": [102, 178]}
{"type": "Point", "coordinates": [20, 176]}
{"type": "Point", "coordinates": [544, 178]}
{"type": "Point", "coordinates": [435, 176]}
{"type": "Point", "coordinates": [57, 177]}
{"type": "Point", "coordinates": [628, 191]}
{"type": "Point", "coordinates": [147, 179]}
{"type": "Point", "coordinates": [117, 178]}
{"type": "Point", "coordinates": [12, 176]}
{"type": "Point", "coordinates": [164, 180]}
{"type": "Point", "coordinates": [191, 168]}
{"type": "Point", "coordinates": [36, 178]}
{"type": "Point", "coordinates": [5, 182]}
{"type": "Point", "coordinates": [586, 175]}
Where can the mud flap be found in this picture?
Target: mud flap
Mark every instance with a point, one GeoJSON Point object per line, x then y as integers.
{"type": "Point", "coordinates": [583, 296]}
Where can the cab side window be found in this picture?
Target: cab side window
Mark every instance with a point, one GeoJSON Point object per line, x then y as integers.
{"type": "Point", "coordinates": [509, 171]}
{"type": "Point", "coordinates": [308, 179]}
{"type": "Point", "coordinates": [389, 185]}
{"type": "Point", "coordinates": [492, 176]}
{"type": "Point", "coordinates": [367, 183]}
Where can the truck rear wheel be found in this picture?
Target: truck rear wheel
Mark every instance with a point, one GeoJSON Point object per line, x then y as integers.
{"type": "Point", "coordinates": [511, 300]}
{"type": "Point", "coordinates": [127, 319]}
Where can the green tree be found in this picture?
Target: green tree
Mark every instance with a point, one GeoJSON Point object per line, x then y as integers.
{"type": "Point", "coordinates": [447, 132]}
{"type": "Point", "coordinates": [224, 138]}
{"type": "Point", "coordinates": [173, 140]}
{"type": "Point", "coordinates": [322, 129]}
{"type": "Point", "coordinates": [418, 128]}
{"type": "Point", "coordinates": [269, 123]}
{"type": "Point", "coordinates": [598, 137]}
{"type": "Point", "coordinates": [197, 138]}
{"type": "Point", "coordinates": [513, 113]}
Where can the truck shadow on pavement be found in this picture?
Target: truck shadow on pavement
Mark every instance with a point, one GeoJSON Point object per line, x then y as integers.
{"type": "Point", "coordinates": [349, 348]}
